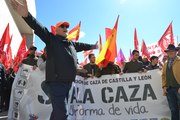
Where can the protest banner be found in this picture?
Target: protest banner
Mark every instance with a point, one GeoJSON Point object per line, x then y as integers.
{"type": "Point", "coordinates": [131, 96]}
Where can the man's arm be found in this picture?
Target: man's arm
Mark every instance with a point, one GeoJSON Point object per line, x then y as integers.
{"type": "Point", "coordinates": [83, 46]}
{"type": "Point", "coordinates": [164, 82]}
{"type": "Point", "coordinates": [22, 10]}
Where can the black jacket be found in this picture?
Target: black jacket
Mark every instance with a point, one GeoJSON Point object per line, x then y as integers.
{"type": "Point", "coordinates": [61, 60]}
{"type": "Point", "coordinates": [132, 67]}
{"type": "Point", "coordinates": [92, 69]}
{"type": "Point", "coordinates": [2, 78]}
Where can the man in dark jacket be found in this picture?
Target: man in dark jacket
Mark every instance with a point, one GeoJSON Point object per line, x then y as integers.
{"type": "Point", "coordinates": [2, 85]}
{"type": "Point", "coordinates": [61, 62]}
{"type": "Point", "coordinates": [111, 69]}
{"type": "Point", "coordinates": [154, 63]}
{"type": "Point", "coordinates": [134, 65]}
{"type": "Point", "coordinates": [92, 69]}
{"type": "Point", "coordinates": [31, 58]}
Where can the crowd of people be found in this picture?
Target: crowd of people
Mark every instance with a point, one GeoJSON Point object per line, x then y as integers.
{"type": "Point", "coordinates": [60, 62]}
{"type": "Point", "coordinates": [89, 70]}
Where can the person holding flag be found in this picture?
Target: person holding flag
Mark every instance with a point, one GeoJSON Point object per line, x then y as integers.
{"type": "Point", "coordinates": [61, 62]}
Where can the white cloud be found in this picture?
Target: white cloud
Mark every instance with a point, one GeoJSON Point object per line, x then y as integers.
{"type": "Point", "coordinates": [82, 34]}
{"type": "Point", "coordinates": [123, 1]}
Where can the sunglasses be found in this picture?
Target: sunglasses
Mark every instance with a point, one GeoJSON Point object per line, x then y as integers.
{"type": "Point", "coordinates": [64, 26]}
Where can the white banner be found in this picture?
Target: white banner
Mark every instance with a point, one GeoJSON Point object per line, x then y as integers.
{"type": "Point", "coordinates": [28, 100]}
{"type": "Point", "coordinates": [112, 97]}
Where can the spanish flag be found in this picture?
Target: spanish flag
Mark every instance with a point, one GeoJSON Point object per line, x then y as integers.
{"type": "Point", "coordinates": [74, 33]}
{"type": "Point", "coordinates": [109, 50]}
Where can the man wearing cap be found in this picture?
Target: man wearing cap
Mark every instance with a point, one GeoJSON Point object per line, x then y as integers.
{"type": "Point", "coordinates": [31, 58]}
{"type": "Point", "coordinates": [61, 62]}
{"type": "Point", "coordinates": [171, 81]}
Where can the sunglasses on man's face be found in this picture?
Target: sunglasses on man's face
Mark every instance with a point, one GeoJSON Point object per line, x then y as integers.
{"type": "Point", "coordinates": [64, 26]}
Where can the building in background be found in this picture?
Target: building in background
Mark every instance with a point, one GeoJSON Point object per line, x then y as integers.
{"type": "Point", "coordinates": [18, 27]}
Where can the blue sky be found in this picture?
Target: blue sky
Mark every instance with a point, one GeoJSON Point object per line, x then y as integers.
{"type": "Point", "coordinates": [150, 17]}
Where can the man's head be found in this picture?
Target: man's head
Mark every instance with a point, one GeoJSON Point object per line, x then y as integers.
{"type": "Point", "coordinates": [92, 58]}
{"type": "Point", "coordinates": [62, 28]}
{"type": "Point", "coordinates": [135, 54]}
{"type": "Point", "coordinates": [171, 51]}
{"type": "Point", "coordinates": [145, 59]}
{"type": "Point", "coordinates": [32, 49]}
{"type": "Point", "coordinates": [154, 60]}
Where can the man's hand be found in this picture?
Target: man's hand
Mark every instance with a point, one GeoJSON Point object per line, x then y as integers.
{"type": "Point", "coordinates": [91, 75]}
{"type": "Point", "coordinates": [121, 73]}
{"type": "Point", "coordinates": [179, 90]}
{"type": "Point", "coordinates": [82, 70]}
{"type": "Point", "coordinates": [97, 46]}
{"type": "Point", "coordinates": [34, 67]}
{"type": "Point", "coordinates": [165, 91]}
{"type": "Point", "coordinates": [20, 8]}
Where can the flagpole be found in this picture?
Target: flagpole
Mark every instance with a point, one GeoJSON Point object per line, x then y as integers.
{"type": "Point", "coordinates": [177, 41]}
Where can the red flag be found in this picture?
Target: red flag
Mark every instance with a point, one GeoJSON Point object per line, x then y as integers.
{"type": "Point", "coordinates": [136, 43]}
{"type": "Point", "coordinates": [53, 30]}
{"type": "Point", "coordinates": [86, 53]}
{"type": "Point", "coordinates": [74, 33]}
{"type": "Point", "coordinates": [21, 54]}
{"type": "Point", "coordinates": [167, 38]}
{"type": "Point", "coordinates": [83, 63]}
{"type": "Point", "coordinates": [100, 43]}
{"type": "Point", "coordinates": [8, 59]}
{"type": "Point", "coordinates": [4, 43]}
{"type": "Point", "coordinates": [108, 32]}
{"type": "Point", "coordinates": [144, 50]}
{"type": "Point", "coordinates": [5, 38]}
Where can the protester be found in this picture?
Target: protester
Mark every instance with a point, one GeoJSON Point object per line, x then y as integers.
{"type": "Point", "coordinates": [134, 65]}
{"type": "Point", "coordinates": [41, 63]}
{"type": "Point", "coordinates": [145, 62]}
{"type": "Point", "coordinates": [154, 63]}
{"type": "Point", "coordinates": [92, 69]}
{"type": "Point", "coordinates": [61, 62]}
{"type": "Point", "coordinates": [10, 75]}
{"type": "Point", "coordinates": [164, 59]}
{"type": "Point", "coordinates": [171, 81]}
{"type": "Point", "coordinates": [2, 86]}
{"type": "Point", "coordinates": [110, 69]}
{"type": "Point", "coordinates": [31, 58]}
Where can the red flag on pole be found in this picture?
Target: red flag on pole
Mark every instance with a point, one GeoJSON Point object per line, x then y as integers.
{"type": "Point", "coordinates": [86, 53]}
{"type": "Point", "coordinates": [21, 54]}
{"type": "Point", "coordinates": [144, 50]}
{"type": "Point", "coordinates": [136, 43]}
{"type": "Point", "coordinates": [167, 38]}
{"type": "Point", "coordinates": [83, 63]}
{"type": "Point", "coordinates": [8, 59]}
{"type": "Point", "coordinates": [5, 38]}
